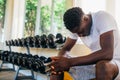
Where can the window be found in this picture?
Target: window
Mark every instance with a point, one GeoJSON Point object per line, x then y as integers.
{"type": "Point", "coordinates": [30, 17]}
{"type": "Point", "coordinates": [45, 17]}
{"type": "Point", "coordinates": [2, 16]}
{"type": "Point", "coordinates": [59, 10]}
{"type": "Point", "coordinates": [51, 16]}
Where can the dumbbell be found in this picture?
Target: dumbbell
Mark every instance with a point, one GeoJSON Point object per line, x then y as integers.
{"type": "Point", "coordinates": [42, 58]}
{"type": "Point", "coordinates": [45, 59]}
{"type": "Point", "coordinates": [37, 64]}
{"type": "Point", "coordinates": [7, 43]}
{"type": "Point", "coordinates": [12, 43]}
{"type": "Point", "coordinates": [37, 41]}
{"type": "Point", "coordinates": [0, 54]}
{"type": "Point", "coordinates": [19, 41]}
{"type": "Point", "coordinates": [59, 38]}
{"type": "Point", "coordinates": [11, 54]}
{"type": "Point", "coordinates": [31, 62]}
{"type": "Point", "coordinates": [4, 55]}
{"type": "Point", "coordinates": [15, 57]}
{"type": "Point", "coordinates": [41, 63]}
{"type": "Point", "coordinates": [51, 41]}
{"type": "Point", "coordinates": [16, 42]}
{"type": "Point", "coordinates": [26, 58]}
{"type": "Point", "coordinates": [24, 42]}
{"type": "Point", "coordinates": [40, 67]}
{"type": "Point", "coordinates": [44, 41]}
{"type": "Point", "coordinates": [20, 59]}
{"type": "Point", "coordinates": [44, 69]}
{"type": "Point", "coordinates": [30, 41]}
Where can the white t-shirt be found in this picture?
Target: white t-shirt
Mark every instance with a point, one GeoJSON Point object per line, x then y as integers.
{"type": "Point", "coordinates": [101, 22]}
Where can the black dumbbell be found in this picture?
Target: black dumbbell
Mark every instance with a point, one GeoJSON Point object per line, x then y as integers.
{"type": "Point", "coordinates": [7, 43]}
{"type": "Point", "coordinates": [44, 68]}
{"type": "Point", "coordinates": [4, 55]}
{"type": "Point", "coordinates": [41, 62]}
{"type": "Point", "coordinates": [59, 38]}
{"type": "Point", "coordinates": [35, 63]}
{"type": "Point", "coordinates": [23, 59]}
{"type": "Point", "coordinates": [30, 41]}
{"type": "Point", "coordinates": [16, 42]}
{"type": "Point", "coordinates": [20, 59]}
{"type": "Point", "coordinates": [37, 41]}
{"type": "Point", "coordinates": [0, 54]}
{"type": "Point", "coordinates": [31, 62]}
{"type": "Point", "coordinates": [51, 41]}
{"type": "Point", "coordinates": [11, 54]}
{"type": "Point", "coordinates": [25, 42]}
{"type": "Point", "coordinates": [26, 60]}
{"type": "Point", "coordinates": [15, 57]}
{"type": "Point", "coordinates": [38, 64]}
{"type": "Point", "coordinates": [47, 60]}
{"type": "Point", "coordinates": [44, 41]}
{"type": "Point", "coordinates": [43, 58]}
{"type": "Point", "coordinates": [19, 41]}
{"type": "Point", "coordinates": [12, 43]}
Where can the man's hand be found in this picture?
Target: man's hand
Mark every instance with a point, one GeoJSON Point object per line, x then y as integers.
{"type": "Point", "coordinates": [60, 64]}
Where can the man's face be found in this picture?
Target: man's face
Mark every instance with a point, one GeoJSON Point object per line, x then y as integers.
{"type": "Point", "coordinates": [84, 28]}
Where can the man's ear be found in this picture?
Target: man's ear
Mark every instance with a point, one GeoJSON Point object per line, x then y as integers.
{"type": "Point", "coordinates": [85, 17]}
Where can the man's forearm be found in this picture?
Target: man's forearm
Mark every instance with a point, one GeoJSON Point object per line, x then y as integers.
{"type": "Point", "coordinates": [91, 58]}
{"type": "Point", "coordinates": [62, 52]}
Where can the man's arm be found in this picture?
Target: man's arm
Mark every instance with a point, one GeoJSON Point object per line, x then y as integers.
{"type": "Point", "coordinates": [106, 52]}
{"type": "Point", "coordinates": [67, 47]}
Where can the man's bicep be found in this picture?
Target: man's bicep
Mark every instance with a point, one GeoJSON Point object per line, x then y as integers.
{"type": "Point", "coordinates": [107, 40]}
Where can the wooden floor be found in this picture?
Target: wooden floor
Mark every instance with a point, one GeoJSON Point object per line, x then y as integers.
{"type": "Point", "coordinates": [7, 75]}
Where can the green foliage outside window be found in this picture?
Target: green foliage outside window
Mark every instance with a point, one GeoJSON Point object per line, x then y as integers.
{"type": "Point", "coordinates": [45, 19]}
{"type": "Point", "coordinates": [2, 12]}
{"type": "Point", "coordinates": [31, 9]}
{"type": "Point", "coordinates": [30, 18]}
{"type": "Point", "coordinates": [58, 13]}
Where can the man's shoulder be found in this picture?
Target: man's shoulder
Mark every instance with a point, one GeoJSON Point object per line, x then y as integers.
{"type": "Point", "coordinates": [102, 14]}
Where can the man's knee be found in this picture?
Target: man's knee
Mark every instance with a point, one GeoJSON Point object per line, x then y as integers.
{"type": "Point", "coordinates": [104, 65]}
{"type": "Point", "coordinates": [104, 70]}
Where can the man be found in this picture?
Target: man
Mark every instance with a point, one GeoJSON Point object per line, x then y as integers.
{"type": "Point", "coordinates": [100, 33]}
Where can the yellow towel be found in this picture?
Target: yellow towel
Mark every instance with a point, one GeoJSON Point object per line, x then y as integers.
{"type": "Point", "coordinates": [67, 76]}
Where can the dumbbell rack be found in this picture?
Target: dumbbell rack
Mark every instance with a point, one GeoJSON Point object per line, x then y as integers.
{"type": "Point", "coordinates": [21, 68]}
{"type": "Point", "coordinates": [4, 62]}
{"type": "Point", "coordinates": [43, 44]}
